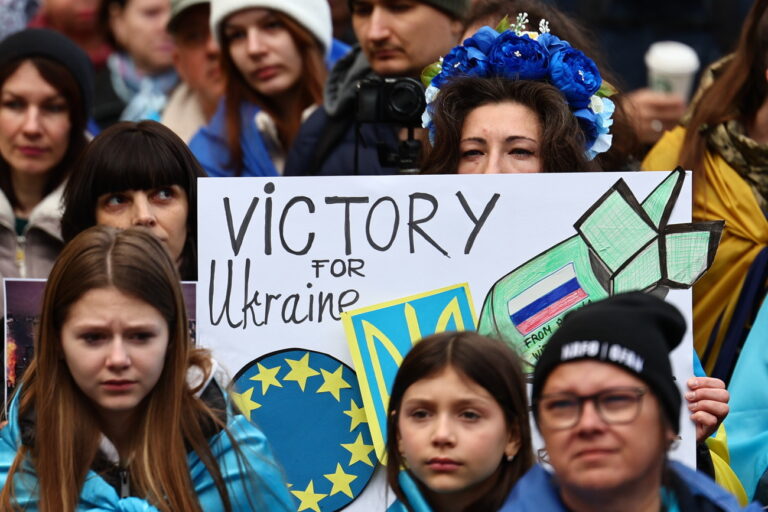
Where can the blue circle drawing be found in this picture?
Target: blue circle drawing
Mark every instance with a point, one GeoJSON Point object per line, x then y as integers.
{"type": "Point", "coordinates": [309, 406]}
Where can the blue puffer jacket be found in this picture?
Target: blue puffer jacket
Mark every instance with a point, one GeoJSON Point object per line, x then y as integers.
{"type": "Point", "coordinates": [694, 491]}
{"type": "Point", "coordinates": [209, 145]}
{"type": "Point", "coordinates": [98, 495]}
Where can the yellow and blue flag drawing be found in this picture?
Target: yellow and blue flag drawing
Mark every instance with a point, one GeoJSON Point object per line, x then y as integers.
{"type": "Point", "coordinates": [379, 337]}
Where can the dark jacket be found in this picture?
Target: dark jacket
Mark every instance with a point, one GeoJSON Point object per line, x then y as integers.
{"type": "Point", "coordinates": [329, 139]}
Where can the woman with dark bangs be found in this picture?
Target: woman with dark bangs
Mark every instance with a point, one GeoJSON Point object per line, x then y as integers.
{"type": "Point", "coordinates": [273, 55]}
{"type": "Point", "coordinates": [45, 94]}
{"type": "Point", "coordinates": [138, 174]}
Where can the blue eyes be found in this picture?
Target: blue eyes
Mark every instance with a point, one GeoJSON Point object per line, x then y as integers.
{"type": "Point", "coordinates": [164, 193]}
{"type": "Point", "coordinates": [115, 200]}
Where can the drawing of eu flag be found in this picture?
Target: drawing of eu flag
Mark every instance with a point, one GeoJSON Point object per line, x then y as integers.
{"type": "Point", "coordinates": [379, 337]}
{"type": "Point", "coordinates": [620, 245]}
{"type": "Point", "coordinates": [308, 404]}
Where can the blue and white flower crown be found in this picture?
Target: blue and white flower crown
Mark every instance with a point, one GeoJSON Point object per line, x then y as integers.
{"type": "Point", "coordinates": [511, 51]}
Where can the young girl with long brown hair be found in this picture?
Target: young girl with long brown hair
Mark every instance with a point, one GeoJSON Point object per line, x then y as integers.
{"type": "Point", "coordinates": [274, 59]}
{"type": "Point", "coordinates": [458, 423]}
{"type": "Point", "coordinates": [118, 411]}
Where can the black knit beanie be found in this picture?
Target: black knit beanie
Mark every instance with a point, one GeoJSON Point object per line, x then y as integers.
{"type": "Point", "coordinates": [634, 331]}
{"type": "Point", "coordinates": [40, 42]}
{"type": "Point", "coordinates": [456, 8]}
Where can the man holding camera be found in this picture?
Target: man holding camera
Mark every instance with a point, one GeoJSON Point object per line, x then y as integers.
{"type": "Point", "coordinates": [398, 38]}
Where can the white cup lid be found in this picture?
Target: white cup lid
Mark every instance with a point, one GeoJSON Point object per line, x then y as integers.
{"type": "Point", "coordinates": [671, 57]}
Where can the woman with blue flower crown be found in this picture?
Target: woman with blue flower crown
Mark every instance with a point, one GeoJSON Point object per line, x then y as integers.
{"type": "Point", "coordinates": [511, 101]}
{"type": "Point", "coordinates": [550, 96]}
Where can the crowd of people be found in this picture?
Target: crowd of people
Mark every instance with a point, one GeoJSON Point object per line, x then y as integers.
{"type": "Point", "coordinates": [109, 112]}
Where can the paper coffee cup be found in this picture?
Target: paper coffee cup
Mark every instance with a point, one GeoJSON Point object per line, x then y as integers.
{"type": "Point", "coordinates": [671, 67]}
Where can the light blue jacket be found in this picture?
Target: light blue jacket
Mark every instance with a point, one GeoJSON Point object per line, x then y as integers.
{"type": "Point", "coordinates": [747, 421]}
{"type": "Point", "coordinates": [99, 496]}
{"type": "Point", "coordinates": [536, 491]}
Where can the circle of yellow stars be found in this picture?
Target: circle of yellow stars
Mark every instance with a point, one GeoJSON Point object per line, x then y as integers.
{"type": "Point", "coordinates": [333, 383]}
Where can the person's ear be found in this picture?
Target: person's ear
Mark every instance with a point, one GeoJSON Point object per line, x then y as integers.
{"type": "Point", "coordinates": [512, 447]}
{"type": "Point", "coordinates": [457, 29]}
{"type": "Point", "coordinates": [182, 72]}
{"type": "Point", "coordinates": [672, 438]}
{"type": "Point", "coordinates": [117, 22]}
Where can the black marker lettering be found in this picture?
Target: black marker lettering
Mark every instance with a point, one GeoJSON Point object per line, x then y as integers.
{"type": "Point", "coordinates": [346, 201]}
{"type": "Point", "coordinates": [479, 223]}
{"type": "Point", "coordinates": [413, 225]}
{"type": "Point", "coordinates": [237, 241]}
{"type": "Point", "coordinates": [310, 236]}
{"type": "Point", "coordinates": [394, 224]}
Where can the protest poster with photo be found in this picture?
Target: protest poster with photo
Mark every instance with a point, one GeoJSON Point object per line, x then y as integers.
{"type": "Point", "coordinates": [282, 261]}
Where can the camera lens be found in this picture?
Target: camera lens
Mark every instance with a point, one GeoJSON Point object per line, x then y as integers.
{"type": "Point", "coordinates": [406, 101]}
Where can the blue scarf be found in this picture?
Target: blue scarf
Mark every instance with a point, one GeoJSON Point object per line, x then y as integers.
{"type": "Point", "coordinates": [145, 95]}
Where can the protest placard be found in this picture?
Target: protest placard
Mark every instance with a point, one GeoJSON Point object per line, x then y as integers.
{"type": "Point", "coordinates": [280, 260]}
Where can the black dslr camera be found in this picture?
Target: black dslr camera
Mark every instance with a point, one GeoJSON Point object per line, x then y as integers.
{"type": "Point", "coordinates": [390, 100]}
{"type": "Point", "coordinates": [399, 101]}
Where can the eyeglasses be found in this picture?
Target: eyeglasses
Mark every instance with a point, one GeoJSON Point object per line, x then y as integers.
{"type": "Point", "coordinates": [619, 405]}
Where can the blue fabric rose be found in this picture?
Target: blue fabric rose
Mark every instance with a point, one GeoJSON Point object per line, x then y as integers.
{"type": "Point", "coordinates": [462, 61]}
{"type": "Point", "coordinates": [603, 109]}
{"type": "Point", "coordinates": [552, 43]}
{"type": "Point", "coordinates": [449, 65]}
{"type": "Point", "coordinates": [482, 39]}
{"type": "Point", "coordinates": [575, 75]}
{"type": "Point", "coordinates": [589, 125]}
{"type": "Point", "coordinates": [518, 57]}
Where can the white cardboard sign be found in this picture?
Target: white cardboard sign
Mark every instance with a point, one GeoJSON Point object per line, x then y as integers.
{"type": "Point", "coordinates": [280, 259]}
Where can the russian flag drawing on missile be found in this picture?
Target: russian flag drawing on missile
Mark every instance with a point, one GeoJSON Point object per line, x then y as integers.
{"type": "Point", "coordinates": [545, 300]}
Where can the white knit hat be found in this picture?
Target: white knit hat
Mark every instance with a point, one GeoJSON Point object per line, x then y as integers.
{"type": "Point", "coordinates": [313, 15]}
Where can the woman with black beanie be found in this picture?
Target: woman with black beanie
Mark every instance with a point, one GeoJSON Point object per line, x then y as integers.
{"type": "Point", "coordinates": [46, 90]}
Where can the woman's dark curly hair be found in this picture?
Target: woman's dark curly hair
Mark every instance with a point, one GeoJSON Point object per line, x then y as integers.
{"type": "Point", "coordinates": [562, 140]}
